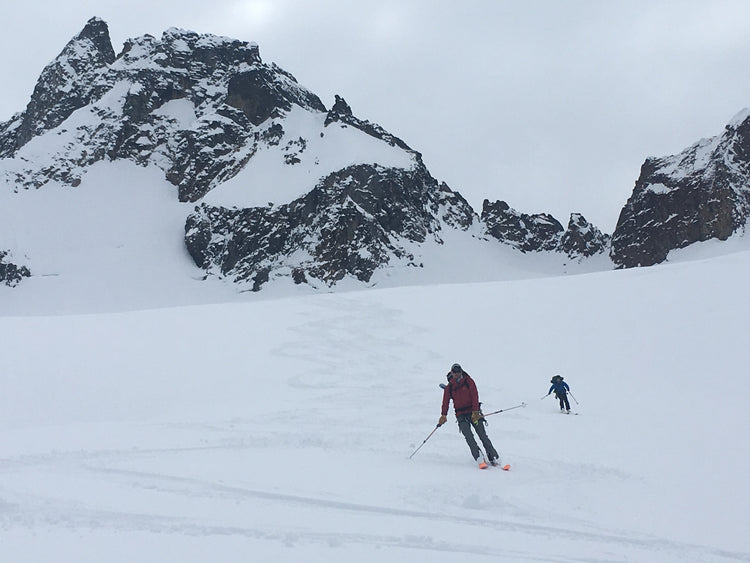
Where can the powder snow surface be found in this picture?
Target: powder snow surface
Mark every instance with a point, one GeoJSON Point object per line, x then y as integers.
{"type": "Point", "coordinates": [148, 415]}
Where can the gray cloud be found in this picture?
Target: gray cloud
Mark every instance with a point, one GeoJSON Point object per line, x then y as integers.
{"type": "Point", "coordinates": [552, 106]}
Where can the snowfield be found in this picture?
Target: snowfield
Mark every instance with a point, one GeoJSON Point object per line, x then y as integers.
{"type": "Point", "coordinates": [280, 429]}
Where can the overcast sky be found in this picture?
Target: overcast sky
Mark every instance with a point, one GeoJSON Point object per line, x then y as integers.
{"type": "Point", "coordinates": [551, 106]}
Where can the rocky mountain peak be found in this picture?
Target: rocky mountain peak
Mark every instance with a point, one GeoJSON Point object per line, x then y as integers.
{"type": "Point", "coordinates": [198, 55]}
{"type": "Point", "coordinates": [69, 82]}
{"type": "Point", "coordinates": [195, 105]}
{"type": "Point", "coordinates": [339, 112]}
{"type": "Point", "coordinates": [96, 32]}
{"type": "Point", "coordinates": [699, 194]}
{"type": "Point", "coordinates": [581, 239]}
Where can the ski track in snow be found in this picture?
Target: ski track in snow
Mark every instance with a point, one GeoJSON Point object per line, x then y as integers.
{"type": "Point", "coordinates": [39, 511]}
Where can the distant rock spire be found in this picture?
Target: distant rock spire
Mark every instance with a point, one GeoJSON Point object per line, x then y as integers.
{"type": "Point", "coordinates": [339, 112]}
{"type": "Point", "coordinates": [67, 83]}
{"type": "Point", "coordinates": [97, 31]}
{"type": "Point", "coordinates": [341, 107]}
{"type": "Point", "coordinates": [582, 239]}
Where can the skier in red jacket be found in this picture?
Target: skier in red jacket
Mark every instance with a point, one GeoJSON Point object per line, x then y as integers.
{"type": "Point", "coordinates": [462, 389]}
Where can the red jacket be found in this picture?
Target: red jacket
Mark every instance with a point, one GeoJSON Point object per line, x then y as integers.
{"type": "Point", "coordinates": [464, 394]}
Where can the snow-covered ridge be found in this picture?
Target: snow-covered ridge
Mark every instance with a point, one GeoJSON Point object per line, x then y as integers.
{"type": "Point", "coordinates": [695, 158]}
{"type": "Point", "coordinates": [698, 158]}
{"type": "Point", "coordinates": [739, 118]}
{"type": "Point", "coordinates": [306, 152]}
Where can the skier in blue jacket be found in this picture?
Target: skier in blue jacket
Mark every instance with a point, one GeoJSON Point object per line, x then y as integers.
{"type": "Point", "coordinates": [561, 392]}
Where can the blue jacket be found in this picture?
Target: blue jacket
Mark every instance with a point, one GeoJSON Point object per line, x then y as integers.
{"type": "Point", "coordinates": [560, 388]}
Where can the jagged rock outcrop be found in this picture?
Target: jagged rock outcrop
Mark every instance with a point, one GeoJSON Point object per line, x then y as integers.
{"type": "Point", "coordinates": [351, 223]}
{"type": "Point", "coordinates": [542, 232]}
{"type": "Point", "coordinates": [582, 239]}
{"type": "Point", "coordinates": [527, 233]}
{"type": "Point", "coordinates": [73, 80]}
{"type": "Point", "coordinates": [700, 194]}
{"type": "Point", "coordinates": [342, 113]}
{"type": "Point", "coordinates": [259, 95]}
{"type": "Point", "coordinates": [11, 274]}
{"type": "Point", "coordinates": [194, 105]}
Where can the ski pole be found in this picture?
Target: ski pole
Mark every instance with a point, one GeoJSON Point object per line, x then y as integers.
{"type": "Point", "coordinates": [425, 441]}
{"type": "Point", "coordinates": [571, 394]}
{"type": "Point", "coordinates": [547, 395]}
{"type": "Point", "coordinates": [503, 410]}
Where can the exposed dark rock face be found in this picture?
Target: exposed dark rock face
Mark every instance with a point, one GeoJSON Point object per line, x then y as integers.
{"type": "Point", "coordinates": [582, 239]}
{"type": "Point", "coordinates": [11, 274]}
{"type": "Point", "coordinates": [353, 222]}
{"type": "Point", "coordinates": [527, 233]}
{"type": "Point", "coordinates": [697, 195]}
{"type": "Point", "coordinates": [259, 96]}
{"type": "Point", "coordinates": [542, 232]}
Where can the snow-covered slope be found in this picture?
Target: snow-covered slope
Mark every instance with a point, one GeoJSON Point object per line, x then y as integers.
{"type": "Point", "coordinates": [281, 429]}
{"type": "Point", "coordinates": [316, 150]}
{"type": "Point", "coordinates": [113, 241]}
